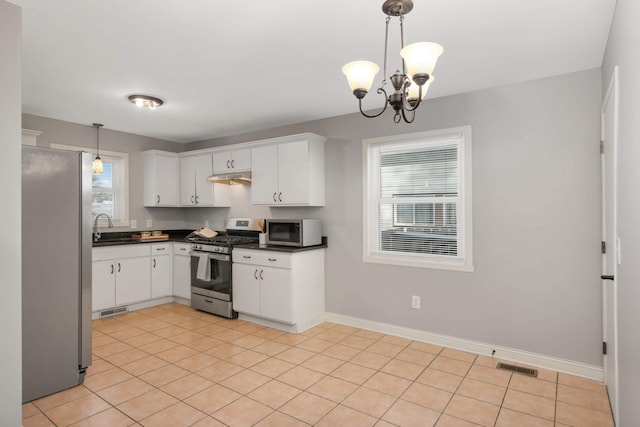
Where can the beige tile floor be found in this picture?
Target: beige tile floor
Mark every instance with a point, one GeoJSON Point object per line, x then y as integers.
{"type": "Point", "coordinates": [172, 366]}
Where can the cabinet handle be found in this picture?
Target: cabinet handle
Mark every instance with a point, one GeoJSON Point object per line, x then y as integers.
{"type": "Point", "coordinates": [261, 271]}
{"type": "Point", "coordinates": [274, 197]}
{"type": "Point", "coordinates": [191, 199]}
{"type": "Point", "coordinates": [154, 263]}
{"type": "Point", "coordinates": [232, 165]}
{"type": "Point", "coordinates": [255, 274]}
{"type": "Point", "coordinates": [279, 197]}
{"type": "Point", "coordinates": [119, 268]}
{"type": "Point", "coordinates": [246, 256]}
{"type": "Point", "coordinates": [272, 259]}
{"type": "Point", "coordinates": [160, 249]}
{"type": "Point", "coordinates": [158, 196]}
{"type": "Point", "coordinates": [112, 269]}
{"type": "Point", "coordinates": [197, 200]}
{"type": "Point", "coordinates": [228, 161]}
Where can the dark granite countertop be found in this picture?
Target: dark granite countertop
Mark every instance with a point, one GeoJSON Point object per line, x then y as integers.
{"type": "Point", "coordinates": [117, 238]}
{"type": "Point", "coordinates": [275, 248]}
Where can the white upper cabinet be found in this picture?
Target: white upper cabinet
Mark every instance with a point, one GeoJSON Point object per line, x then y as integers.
{"type": "Point", "coordinates": [289, 173]}
{"type": "Point", "coordinates": [232, 161]}
{"type": "Point", "coordinates": [160, 178]}
{"type": "Point", "coordinates": [195, 188]}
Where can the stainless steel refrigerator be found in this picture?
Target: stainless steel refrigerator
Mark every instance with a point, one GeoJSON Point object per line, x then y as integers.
{"type": "Point", "coordinates": [56, 270]}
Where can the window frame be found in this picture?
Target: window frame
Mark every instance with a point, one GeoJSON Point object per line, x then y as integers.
{"type": "Point", "coordinates": [371, 202]}
{"type": "Point", "coordinates": [120, 186]}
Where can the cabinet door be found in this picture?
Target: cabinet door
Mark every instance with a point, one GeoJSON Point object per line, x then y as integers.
{"type": "Point", "coordinates": [246, 288]}
{"type": "Point", "coordinates": [167, 180]}
{"type": "Point", "coordinates": [133, 280]}
{"type": "Point", "coordinates": [161, 276]}
{"type": "Point", "coordinates": [275, 294]}
{"type": "Point", "coordinates": [204, 188]}
{"type": "Point", "coordinates": [241, 159]}
{"type": "Point", "coordinates": [103, 288]}
{"type": "Point", "coordinates": [182, 276]}
{"type": "Point", "coordinates": [264, 175]}
{"type": "Point", "coordinates": [221, 161]}
{"type": "Point", "coordinates": [293, 172]}
{"type": "Point", "coordinates": [187, 181]}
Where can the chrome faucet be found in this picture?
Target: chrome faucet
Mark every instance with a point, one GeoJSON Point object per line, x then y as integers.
{"type": "Point", "coordinates": [96, 233]}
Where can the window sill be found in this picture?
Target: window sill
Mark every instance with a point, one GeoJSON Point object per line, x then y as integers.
{"type": "Point", "coordinates": [407, 261]}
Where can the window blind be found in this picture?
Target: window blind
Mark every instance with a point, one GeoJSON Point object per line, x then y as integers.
{"type": "Point", "coordinates": [419, 188]}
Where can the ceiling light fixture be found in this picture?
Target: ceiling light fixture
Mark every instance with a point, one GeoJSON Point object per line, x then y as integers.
{"type": "Point", "coordinates": [410, 87]}
{"type": "Point", "coordinates": [98, 167]}
{"type": "Point", "coordinates": [145, 101]}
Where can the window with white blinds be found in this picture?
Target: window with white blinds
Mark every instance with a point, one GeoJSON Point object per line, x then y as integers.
{"type": "Point", "coordinates": [418, 199]}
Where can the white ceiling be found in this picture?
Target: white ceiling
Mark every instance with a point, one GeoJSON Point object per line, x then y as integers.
{"type": "Point", "coordinates": [228, 67]}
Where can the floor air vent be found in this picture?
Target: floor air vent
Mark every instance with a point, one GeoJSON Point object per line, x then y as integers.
{"type": "Point", "coordinates": [518, 369]}
{"type": "Point", "coordinates": [113, 311]}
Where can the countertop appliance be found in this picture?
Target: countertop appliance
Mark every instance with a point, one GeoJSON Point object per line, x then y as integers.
{"type": "Point", "coordinates": [211, 281]}
{"type": "Point", "coordinates": [294, 232]}
{"type": "Point", "coordinates": [56, 270]}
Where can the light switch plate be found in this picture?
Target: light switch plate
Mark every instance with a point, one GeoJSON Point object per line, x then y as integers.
{"type": "Point", "coordinates": [149, 223]}
{"type": "Point", "coordinates": [134, 223]}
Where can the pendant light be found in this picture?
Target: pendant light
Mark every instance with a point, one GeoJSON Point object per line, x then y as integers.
{"type": "Point", "coordinates": [409, 84]}
{"type": "Point", "coordinates": [98, 167]}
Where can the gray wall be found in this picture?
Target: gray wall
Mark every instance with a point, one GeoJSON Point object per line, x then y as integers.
{"type": "Point", "coordinates": [536, 223]}
{"type": "Point", "coordinates": [10, 190]}
{"type": "Point", "coordinates": [81, 135]}
{"type": "Point", "coordinates": [622, 50]}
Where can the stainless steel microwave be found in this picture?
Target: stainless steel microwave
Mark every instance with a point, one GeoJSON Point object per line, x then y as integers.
{"type": "Point", "coordinates": [294, 232]}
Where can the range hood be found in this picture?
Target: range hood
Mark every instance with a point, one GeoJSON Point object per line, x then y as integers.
{"type": "Point", "coordinates": [231, 178]}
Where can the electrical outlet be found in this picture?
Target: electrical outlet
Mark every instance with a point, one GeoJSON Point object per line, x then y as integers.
{"type": "Point", "coordinates": [134, 224]}
{"type": "Point", "coordinates": [206, 224]}
{"type": "Point", "coordinates": [149, 223]}
{"type": "Point", "coordinates": [415, 301]}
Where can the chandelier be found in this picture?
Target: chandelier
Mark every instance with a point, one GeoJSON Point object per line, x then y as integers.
{"type": "Point", "coordinates": [410, 85]}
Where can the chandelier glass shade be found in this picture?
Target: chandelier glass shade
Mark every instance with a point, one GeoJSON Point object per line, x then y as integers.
{"type": "Point", "coordinates": [97, 166]}
{"type": "Point", "coordinates": [410, 84]}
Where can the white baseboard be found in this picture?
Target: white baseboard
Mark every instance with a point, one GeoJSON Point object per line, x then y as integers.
{"type": "Point", "coordinates": [504, 353]}
{"type": "Point", "coordinates": [295, 328]}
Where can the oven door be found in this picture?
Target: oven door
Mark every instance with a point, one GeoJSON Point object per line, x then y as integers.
{"type": "Point", "coordinates": [219, 283]}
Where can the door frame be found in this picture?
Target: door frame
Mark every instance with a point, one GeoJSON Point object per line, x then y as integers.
{"type": "Point", "coordinates": [610, 287]}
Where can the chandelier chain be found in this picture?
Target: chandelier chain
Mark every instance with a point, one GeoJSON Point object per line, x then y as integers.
{"type": "Point", "coordinates": [386, 44]}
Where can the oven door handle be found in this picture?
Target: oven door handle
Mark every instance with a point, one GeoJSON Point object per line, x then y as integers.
{"type": "Point", "coordinates": [218, 257]}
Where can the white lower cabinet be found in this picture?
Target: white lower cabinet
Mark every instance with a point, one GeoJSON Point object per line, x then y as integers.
{"type": "Point", "coordinates": [133, 280]}
{"type": "Point", "coordinates": [182, 270]}
{"type": "Point", "coordinates": [280, 286]}
{"type": "Point", "coordinates": [161, 270]}
{"type": "Point", "coordinates": [121, 275]}
{"type": "Point", "coordinates": [103, 292]}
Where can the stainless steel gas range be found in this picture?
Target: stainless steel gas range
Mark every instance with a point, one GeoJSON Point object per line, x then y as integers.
{"type": "Point", "coordinates": [211, 280]}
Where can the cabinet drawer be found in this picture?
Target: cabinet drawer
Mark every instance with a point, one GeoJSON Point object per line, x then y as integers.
{"type": "Point", "coordinates": [120, 251]}
{"type": "Point", "coordinates": [181, 249]}
{"type": "Point", "coordinates": [160, 248]}
{"type": "Point", "coordinates": [265, 258]}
